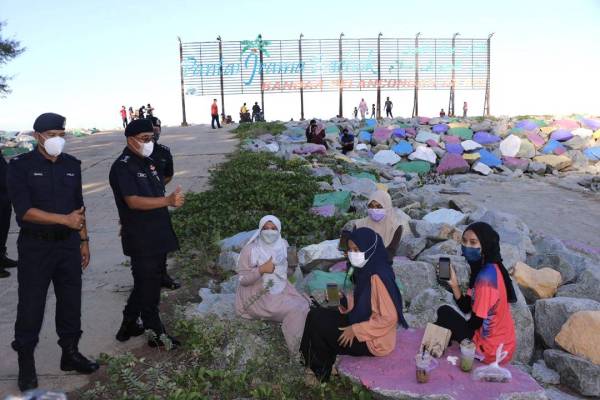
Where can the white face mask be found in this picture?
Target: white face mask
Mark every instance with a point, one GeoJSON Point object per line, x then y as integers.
{"type": "Point", "coordinates": [54, 146]}
{"type": "Point", "coordinates": [269, 236]}
{"type": "Point", "coordinates": [357, 259]}
{"type": "Point", "coordinates": [147, 149]}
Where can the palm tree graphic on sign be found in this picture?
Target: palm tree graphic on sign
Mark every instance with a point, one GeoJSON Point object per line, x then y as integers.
{"type": "Point", "coordinates": [256, 45]}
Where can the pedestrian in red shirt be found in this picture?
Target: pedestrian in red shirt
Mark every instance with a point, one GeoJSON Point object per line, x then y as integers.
{"type": "Point", "coordinates": [214, 112]}
{"type": "Point", "coordinates": [487, 299]}
{"type": "Point", "coordinates": [124, 116]}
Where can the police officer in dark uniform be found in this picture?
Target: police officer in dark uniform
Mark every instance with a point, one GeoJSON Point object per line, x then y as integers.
{"type": "Point", "coordinates": [5, 213]}
{"type": "Point", "coordinates": [164, 163]}
{"type": "Point", "coordinates": [147, 235]}
{"type": "Point", "coordinates": [44, 187]}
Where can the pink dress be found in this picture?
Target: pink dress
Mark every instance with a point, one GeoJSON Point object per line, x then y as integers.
{"type": "Point", "coordinates": [254, 302]}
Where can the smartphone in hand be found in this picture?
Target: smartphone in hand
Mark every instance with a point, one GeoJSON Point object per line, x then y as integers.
{"type": "Point", "coordinates": [333, 294]}
{"type": "Point", "coordinates": [444, 268]}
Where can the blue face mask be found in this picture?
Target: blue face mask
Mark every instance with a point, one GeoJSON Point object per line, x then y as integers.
{"type": "Point", "coordinates": [472, 254]}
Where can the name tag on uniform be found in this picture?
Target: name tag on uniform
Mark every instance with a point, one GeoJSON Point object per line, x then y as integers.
{"type": "Point", "coordinates": [70, 174]}
{"type": "Point", "coordinates": [141, 175]}
{"type": "Point", "coordinates": [38, 174]}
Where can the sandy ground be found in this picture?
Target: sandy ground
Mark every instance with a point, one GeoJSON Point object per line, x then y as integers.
{"type": "Point", "coordinates": [106, 283]}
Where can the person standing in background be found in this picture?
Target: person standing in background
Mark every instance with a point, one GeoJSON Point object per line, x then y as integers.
{"type": "Point", "coordinates": [363, 107]}
{"type": "Point", "coordinates": [214, 113]}
{"type": "Point", "coordinates": [465, 109]}
{"type": "Point", "coordinates": [124, 116]}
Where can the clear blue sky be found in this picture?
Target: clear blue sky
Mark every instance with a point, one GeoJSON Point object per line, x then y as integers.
{"type": "Point", "coordinates": [85, 59]}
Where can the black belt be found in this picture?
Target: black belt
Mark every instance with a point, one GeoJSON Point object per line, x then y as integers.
{"type": "Point", "coordinates": [51, 236]}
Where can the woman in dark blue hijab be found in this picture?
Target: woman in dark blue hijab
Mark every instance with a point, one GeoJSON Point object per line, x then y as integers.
{"type": "Point", "coordinates": [365, 323]}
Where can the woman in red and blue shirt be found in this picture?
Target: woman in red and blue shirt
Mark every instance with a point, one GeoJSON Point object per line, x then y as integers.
{"type": "Point", "coordinates": [487, 299]}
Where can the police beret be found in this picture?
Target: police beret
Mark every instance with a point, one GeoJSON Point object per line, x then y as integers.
{"type": "Point", "coordinates": [48, 122]}
{"type": "Point", "coordinates": [139, 126]}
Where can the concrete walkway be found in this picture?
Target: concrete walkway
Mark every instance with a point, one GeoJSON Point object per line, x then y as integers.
{"type": "Point", "coordinates": [106, 282]}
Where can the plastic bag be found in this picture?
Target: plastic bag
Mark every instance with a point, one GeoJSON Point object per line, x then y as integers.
{"type": "Point", "coordinates": [494, 372]}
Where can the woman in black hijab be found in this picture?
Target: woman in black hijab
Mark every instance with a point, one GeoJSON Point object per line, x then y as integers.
{"type": "Point", "coordinates": [487, 299]}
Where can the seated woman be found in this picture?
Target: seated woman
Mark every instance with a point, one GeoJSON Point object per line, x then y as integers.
{"type": "Point", "coordinates": [487, 299]}
{"type": "Point", "coordinates": [365, 323]}
{"type": "Point", "coordinates": [264, 291]}
{"type": "Point", "coordinates": [315, 133]}
{"type": "Point", "coordinates": [347, 141]}
{"type": "Point", "coordinates": [383, 219]}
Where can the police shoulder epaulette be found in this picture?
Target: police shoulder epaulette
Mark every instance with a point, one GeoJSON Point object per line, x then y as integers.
{"type": "Point", "coordinates": [163, 146]}
{"type": "Point", "coordinates": [21, 157]}
{"type": "Point", "coordinates": [124, 159]}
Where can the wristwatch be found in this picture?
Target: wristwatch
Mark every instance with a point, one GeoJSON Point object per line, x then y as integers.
{"type": "Point", "coordinates": [87, 239]}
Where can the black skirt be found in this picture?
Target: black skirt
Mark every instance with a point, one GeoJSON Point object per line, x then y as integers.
{"type": "Point", "coordinates": [319, 345]}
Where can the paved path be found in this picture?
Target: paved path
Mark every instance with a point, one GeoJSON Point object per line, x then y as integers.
{"type": "Point", "coordinates": [106, 282]}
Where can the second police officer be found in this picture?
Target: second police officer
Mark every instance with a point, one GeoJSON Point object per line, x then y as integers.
{"type": "Point", "coordinates": [163, 159]}
{"type": "Point", "coordinates": [45, 189]}
{"type": "Point", "coordinates": [147, 235]}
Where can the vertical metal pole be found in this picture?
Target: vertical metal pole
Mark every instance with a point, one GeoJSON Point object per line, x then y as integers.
{"type": "Point", "coordinates": [452, 83]}
{"type": "Point", "coordinates": [262, 77]}
{"type": "Point", "coordinates": [415, 112]}
{"type": "Point", "coordinates": [486, 104]}
{"type": "Point", "coordinates": [341, 111]}
{"type": "Point", "coordinates": [379, 75]}
{"type": "Point", "coordinates": [183, 122]}
{"type": "Point", "coordinates": [221, 75]}
{"type": "Point", "coordinates": [301, 79]}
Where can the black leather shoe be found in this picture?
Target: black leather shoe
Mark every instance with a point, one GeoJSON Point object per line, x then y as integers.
{"type": "Point", "coordinates": [170, 283]}
{"type": "Point", "coordinates": [159, 343]}
{"type": "Point", "coordinates": [128, 329]}
{"type": "Point", "coordinates": [73, 360]}
{"type": "Point", "coordinates": [27, 375]}
{"type": "Point", "coordinates": [6, 262]}
{"type": "Point", "coordinates": [3, 273]}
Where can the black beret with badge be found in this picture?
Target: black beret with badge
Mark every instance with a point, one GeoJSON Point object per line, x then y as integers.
{"type": "Point", "coordinates": [138, 126]}
{"type": "Point", "coordinates": [49, 122]}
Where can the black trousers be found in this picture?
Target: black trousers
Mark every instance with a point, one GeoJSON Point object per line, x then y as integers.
{"type": "Point", "coordinates": [5, 213]}
{"type": "Point", "coordinates": [212, 122]}
{"type": "Point", "coordinates": [388, 113]}
{"type": "Point", "coordinates": [319, 345]}
{"type": "Point", "coordinates": [145, 296]}
{"type": "Point", "coordinates": [42, 262]}
{"type": "Point", "coordinates": [449, 318]}
{"type": "Point", "coordinates": [124, 122]}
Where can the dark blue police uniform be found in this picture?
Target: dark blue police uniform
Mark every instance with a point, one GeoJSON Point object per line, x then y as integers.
{"type": "Point", "coordinates": [163, 160]}
{"type": "Point", "coordinates": [5, 214]}
{"type": "Point", "coordinates": [47, 253]}
{"type": "Point", "coordinates": [146, 235]}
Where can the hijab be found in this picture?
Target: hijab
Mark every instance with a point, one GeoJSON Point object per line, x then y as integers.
{"type": "Point", "coordinates": [387, 227]}
{"type": "Point", "coordinates": [370, 242]}
{"type": "Point", "coordinates": [490, 252]}
{"type": "Point", "coordinates": [262, 251]}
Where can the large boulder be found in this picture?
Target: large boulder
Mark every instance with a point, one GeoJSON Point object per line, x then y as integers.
{"type": "Point", "coordinates": [435, 232]}
{"type": "Point", "coordinates": [554, 161]}
{"type": "Point", "coordinates": [509, 147]}
{"type": "Point", "coordinates": [554, 261]}
{"type": "Point", "coordinates": [445, 216]}
{"type": "Point", "coordinates": [452, 164]}
{"type": "Point", "coordinates": [580, 335]}
{"type": "Point", "coordinates": [423, 153]}
{"type": "Point", "coordinates": [326, 252]}
{"type": "Point", "coordinates": [481, 168]}
{"type": "Point", "coordinates": [545, 375]}
{"type": "Point", "coordinates": [411, 246]}
{"type": "Point", "coordinates": [526, 150]}
{"type": "Point", "coordinates": [543, 283]}
{"type": "Point", "coordinates": [425, 304]}
{"type": "Point", "coordinates": [575, 372]}
{"type": "Point", "coordinates": [524, 328]}
{"type": "Point", "coordinates": [220, 304]}
{"type": "Point", "coordinates": [587, 285]}
{"type": "Point", "coordinates": [415, 277]}
{"type": "Point", "coordinates": [388, 157]}
{"type": "Point", "coordinates": [551, 314]}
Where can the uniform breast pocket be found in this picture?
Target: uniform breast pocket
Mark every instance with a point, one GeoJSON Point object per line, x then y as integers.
{"type": "Point", "coordinates": [70, 184]}
{"type": "Point", "coordinates": [143, 184]}
{"type": "Point", "coordinates": [40, 185]}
